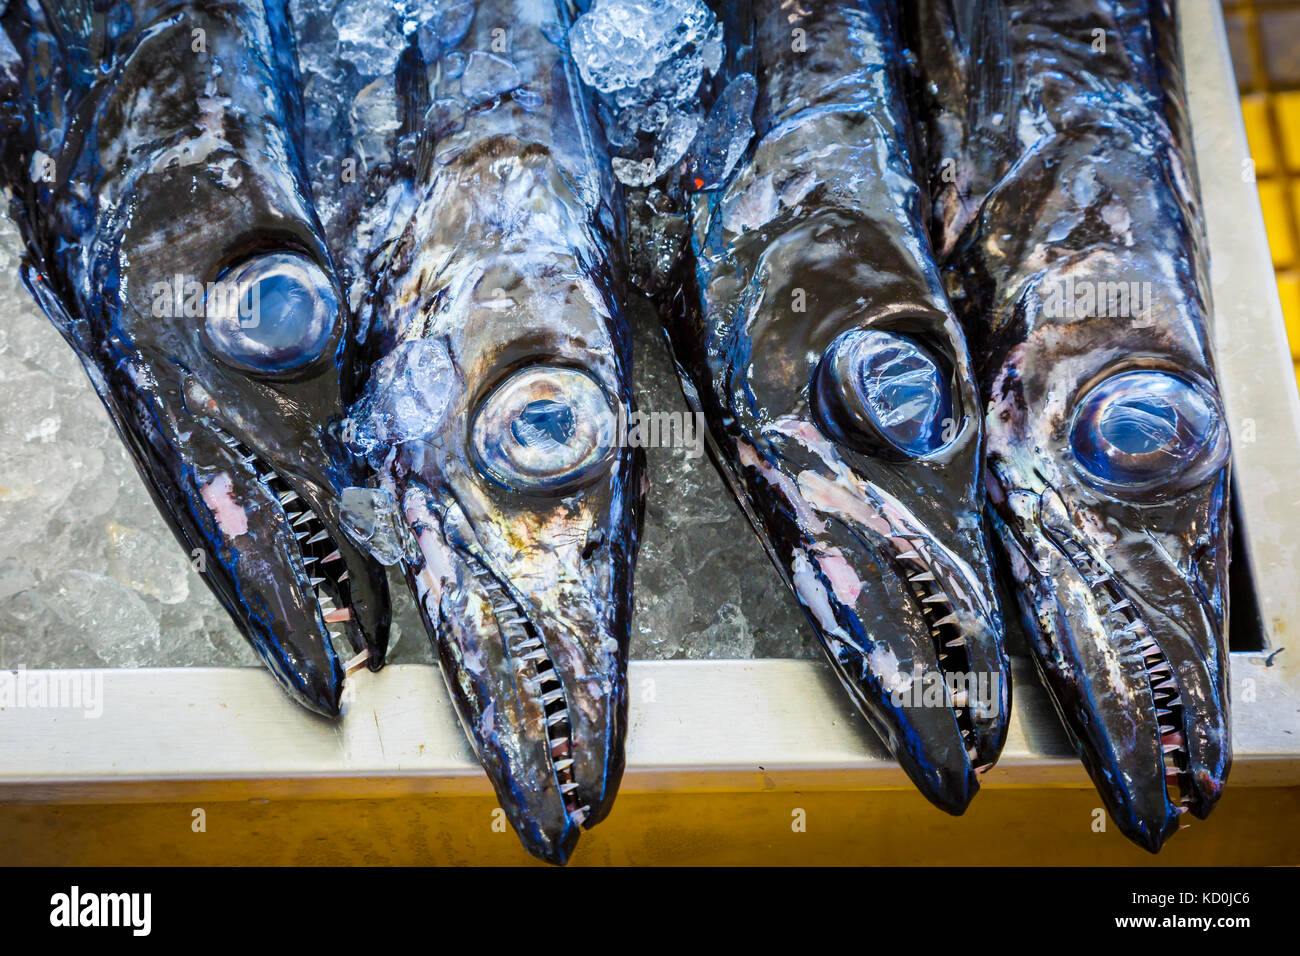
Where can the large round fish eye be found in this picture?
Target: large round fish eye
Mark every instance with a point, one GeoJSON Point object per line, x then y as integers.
{"type": "Point", "coordinates": [884, 394]}
{"type": "Point", "coordinates": [545, 431]}
{"type": "Point", "coordinates": [1147, 429]}
{"type": "Point", "coordinates": [273, 313]}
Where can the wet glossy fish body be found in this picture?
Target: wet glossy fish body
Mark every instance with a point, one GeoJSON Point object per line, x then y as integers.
{"type": "Point", "coordinates": [1066, 204]}
{"type": "Point", "coordinates": [813, 332]}
{"type": "Point", "coordinates": [149, 151]}
{"type": "Point", "coordinates": [492, 414]}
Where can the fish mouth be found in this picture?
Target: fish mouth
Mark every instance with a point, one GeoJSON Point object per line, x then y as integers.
{"type": "Point", "coordinates": [942, 711]}
{"type": "Point", "coordinates": [284, 567]}
{"type": "Point", "coordinates": [1139, 690]}
{"type": "Point", "coordinates": [537, 671]}
{"type": "Point", "coordinates": [911, 628]}
{"type": "Point", "coordinates": [328, 557]}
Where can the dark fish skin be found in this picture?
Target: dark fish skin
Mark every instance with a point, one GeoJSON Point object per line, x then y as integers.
{"type": "Point", "coordinates": [820, 231]}
{"type": "Point", "coordinates": [1064, 133]}
{"type": "Point", "coordinates": [509, 264]}
{"type": "Point", "coordinates": [169, 130]}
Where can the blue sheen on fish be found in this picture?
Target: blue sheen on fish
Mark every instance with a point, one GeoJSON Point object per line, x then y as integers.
{"type": "Point", "coordinates": [492, 277]}
{"type": "Point", "coordinates": [1067, 210]}
{"type": "Point", "coordinates": [812, 331]}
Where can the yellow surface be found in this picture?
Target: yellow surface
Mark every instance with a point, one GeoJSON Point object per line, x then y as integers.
{"type": "Point", "coordinates": [1287, 106]}
{"type": "Point", "coordinates": [1270, 106]}
{"type": "Point", "coordinates": [1263, 149]}
{"type": "Point", "coordinates": [1251, 825]}
{"type": "Point", "coordinates": [1277, 218]}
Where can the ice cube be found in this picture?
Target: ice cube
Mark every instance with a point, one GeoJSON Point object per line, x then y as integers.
{"type": "Point", "coordinates": [726, 134]}
{"type": "Point", "coordinates": [371, 518]}
{"type": "Point", "coordinates": [486, 76]}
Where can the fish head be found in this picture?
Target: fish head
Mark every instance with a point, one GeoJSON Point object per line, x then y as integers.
{"type": "Point", "coordinates": [849, 419]}
{"type": "Point", "coordinates": [499, 430]}
{"type": "Point", "coordinates": [205, 307]}
{"type": "Point", "coordinates": [1108, 470]}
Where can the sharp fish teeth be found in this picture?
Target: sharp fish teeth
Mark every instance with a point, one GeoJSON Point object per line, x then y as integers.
{"type": "Point", "coordinates": [318, 536]}
{"type": "Point", "coordinates": [921, 576]}
{"type": "Point", "coordinates": [303, 518]}
{"type": "Point", "coordinates": [950, 619]}
{"type": "Point", "coordinates": [332, 556]}
{"type": "Point", "coordinates": [342, 614]}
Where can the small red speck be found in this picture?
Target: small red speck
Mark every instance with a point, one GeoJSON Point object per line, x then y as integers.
{"type": "Point", "coordinates": [699, 183]}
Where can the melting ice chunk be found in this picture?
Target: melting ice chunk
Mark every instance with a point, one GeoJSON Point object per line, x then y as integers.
{"type": "Point", "coordinates": [648, 60]}
{"type": "Point", "coordinates": [619, 43]}
{"type": "Point", "coordinates": [404, 401]}
{"type": "Point", "coordinates": [726, 134]}
{"type": "Point", "coordinates": [370, 517]}
{"type": "Point", "coordinates": [366, 29]}
{"type": "Point", "coordinates": [487, 75]}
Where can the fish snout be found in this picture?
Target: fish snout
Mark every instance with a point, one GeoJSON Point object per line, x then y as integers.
{"type": "Point", "coordinates": [1128, 649]}
{"type": "Point", "coordinates": [912, 628]}
{"type": "Point", "coordinates": [533, 645]}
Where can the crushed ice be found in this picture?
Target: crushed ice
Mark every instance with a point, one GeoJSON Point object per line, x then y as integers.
{"type": "Point", "coordinates": [655, 66]}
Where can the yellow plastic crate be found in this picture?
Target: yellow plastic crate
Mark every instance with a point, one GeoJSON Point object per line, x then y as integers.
{"type": "Point", "coordinates": [1265, 40]}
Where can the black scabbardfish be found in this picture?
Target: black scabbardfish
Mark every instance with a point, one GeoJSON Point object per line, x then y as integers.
{"type": "Point", "coordinates": [151, 161]}
{"type": "Point", "coordinates": [813, 332]}
{"type": "Point", "coordinates": [1066, 202]}
{"type": "Point", "coordinates": [492, 414]}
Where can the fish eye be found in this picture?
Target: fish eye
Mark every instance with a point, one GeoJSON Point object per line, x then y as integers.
{"type": "Point", "coordinates": [544, 431]}
{"type": "Point", "coordinates": [272, 313]}
{"type": "Point", "coordinates": [1147, 430]}
{"type": "Point", "coordinates": [884, 394]}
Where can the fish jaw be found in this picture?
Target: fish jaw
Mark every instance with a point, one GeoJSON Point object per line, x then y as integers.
{"type": "Point", "coordinates": [530, 612]}
{"type": "Point", "coordinates": [304, 469]}
{"type": "Point", "coordinates": [909, 624]}
{"type": "Point", "coordinates": [1124, 604]}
